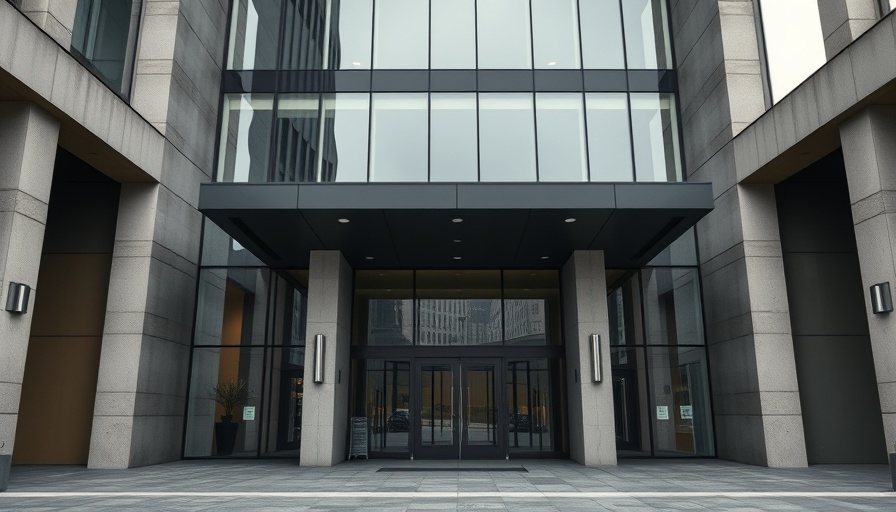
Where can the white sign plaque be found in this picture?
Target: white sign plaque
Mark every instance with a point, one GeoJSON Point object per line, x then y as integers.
{"type": "Point", "coordinates": [687, 412]}
{"type": "Point", "coordinates": [249, 413]}
{"type": "Point", "coordinates": [662, 412]}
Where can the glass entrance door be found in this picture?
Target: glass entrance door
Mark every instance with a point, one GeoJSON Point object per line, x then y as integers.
{"type": "Point", "coordinates": [458, 410]}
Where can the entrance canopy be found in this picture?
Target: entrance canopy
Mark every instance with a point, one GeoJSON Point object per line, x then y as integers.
{"type": "Point", "coordinates": [455, 225]}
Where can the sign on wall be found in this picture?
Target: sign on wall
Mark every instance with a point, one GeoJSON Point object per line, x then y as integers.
{"type": "Point", "coordinates": [662, 412]}
{"type": "Point", "coordinates": [249, 413]}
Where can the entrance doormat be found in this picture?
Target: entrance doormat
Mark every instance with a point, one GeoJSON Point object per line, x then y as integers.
{"type": "Point", "coordinates": [457, 469]}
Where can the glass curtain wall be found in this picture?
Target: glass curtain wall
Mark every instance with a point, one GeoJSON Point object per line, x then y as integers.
{"type": "Point", "coordinates": [659, 360]}
{"type": "Point", "coordinates": [248, 356]}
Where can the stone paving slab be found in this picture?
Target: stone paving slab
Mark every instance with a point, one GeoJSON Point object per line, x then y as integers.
{"type": "Point", "coordinates": [546, 485]}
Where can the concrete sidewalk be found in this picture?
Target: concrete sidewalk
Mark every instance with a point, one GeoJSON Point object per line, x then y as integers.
{"type": "Point", "coordinates": [439, 485]}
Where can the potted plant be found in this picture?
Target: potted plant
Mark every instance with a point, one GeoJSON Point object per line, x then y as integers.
{"type": "Point", "coordinates": [230, 394]}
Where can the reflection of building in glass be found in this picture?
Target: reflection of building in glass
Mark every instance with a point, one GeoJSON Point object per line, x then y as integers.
{"type": "Point", "coordinates": [524, 321]}
{"type": "Point", "coordinates": [459, 322]}
{"type": "Point", "coordinates": [391, 322]}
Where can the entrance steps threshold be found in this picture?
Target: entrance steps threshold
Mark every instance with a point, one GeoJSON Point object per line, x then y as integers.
{"type": "Point", "coordinates": [453, 466]}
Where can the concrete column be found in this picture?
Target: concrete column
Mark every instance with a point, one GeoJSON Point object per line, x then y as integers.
{"type": "Point", "coordinates": [843, 21]}
{"type": "Point", "coordinates": [592, 431]}
{"type": "Point", "coordinates": [28, 138]}
{"type": "Point", "coordinates": [325, 406]}
{"type": "Point", "coordinates": [870, 159]}
{"type": "Point", "coordinates": [138, 415]}
{"type": "Point", "coordinates": [55, 17]}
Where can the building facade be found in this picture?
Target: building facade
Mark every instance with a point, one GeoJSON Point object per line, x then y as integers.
{"type": "Point", "coordinates": [470, 228]}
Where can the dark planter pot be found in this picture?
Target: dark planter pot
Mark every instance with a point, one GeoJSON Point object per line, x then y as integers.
{"type": "Point", "coordinates": [225, 435]}
{"type": "Point", "coordinates": [5, 461]}
{"type": "Point", "coordinates": [893, 470]}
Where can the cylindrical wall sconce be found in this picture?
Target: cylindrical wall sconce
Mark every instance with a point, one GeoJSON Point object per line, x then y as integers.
{"type": "Point", "coordinates": [319, 347]}
{"type": "Point", "coordinates": [17, 298]}
{"type": "Point", "coordinates": [595, 358]}
{"type": "Point", "coordinates": [881, 301]}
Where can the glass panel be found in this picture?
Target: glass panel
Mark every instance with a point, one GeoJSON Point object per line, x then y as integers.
{"type": "Point", "coordinates": [290, 308]}
{"type": "Point", "coordinates": [399, 137]}
{"type": "Point", "coordinates": [345, 137]}
{"type": "Point", "coordinates": [561, 137]}
{"type": "Point", "coordinates": [303, 42]}
{"type": "Point", "coordinates": [624, 308]}
{"type": "Point", "coordinates": [682, 419]}
{"type": "Point", "coordinates": [104, 36]}
{"type": "Point", "coordinates": [504, 34]}
{"type": "Point", "coordinates": [452, 139]}
{"type": "Point", "coordinates": [529, 403]}
{"type": "Point", "coordinates": [655, 130]}
{"type": "Point", "coordinates": [480, 406]}
{"type": "Point", "coordinates": [401, 34]}
{"type": "Point", "coordinates": [794, 45]}
{"type": "Point", "coordinates": [646, 34]}
{"type": "Point", "coordinates": [532, 307]}
{"type": "Point", "coordinates": [231, 307]}
{"type": "Point", "coordinates": [388, 405]}
{"type": "Point", "coordinates": [453, 34]}
{"type": "Point", "coordinates": [351, 24]}
{"type": "Point", "coordinates": [609, 139]}
{"type": "Point", "coordinates": [555, 29]}
{"type": "Point", "coordinates": [630, 404]}
{"type": "Point", "coordinates": [283, 435]}
{"type": "Point", "coordinates": [672, 306]}
{"type": "Point", "coordinates": [219, 249]}
{"type": "Point", "coordinates": [245, 138]}
{"type": "Point", "coordinates": [680, 252]}
{"type": "Point", "coordinates": [459, 308]}
{"type": "Point", "coordinates": [254, 29]}
{"type": "Point", "coordinates": [437, 406]}
{"type": "Point", "coordinates": [602, 46]}
{"type": "Point", "coordinates": [506, 137]}
{"type": "Point", "coordinates": [209, 430]}
{"type": "Point", "coordinates": [383, 311]}
{"type": "Point", "coordinates": [298, 137]}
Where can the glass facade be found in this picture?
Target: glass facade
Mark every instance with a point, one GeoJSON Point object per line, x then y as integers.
{"type": "Point", "coordinates": [449, 91]}
{"type": "Point", "coordinates": [659, 360]}
{"type": "Point", "coordinates": [104, 39]}
{"type": "Point", "coordinates": [249, 331]}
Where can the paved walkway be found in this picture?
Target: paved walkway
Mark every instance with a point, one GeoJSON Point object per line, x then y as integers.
{"type": "Point", "coordinates": [400, 485]}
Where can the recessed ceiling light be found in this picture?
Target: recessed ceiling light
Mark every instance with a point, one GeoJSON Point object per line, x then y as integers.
{"type": "Point", "coordinates": [457, 257]}
{"type": "Point", "coordinates": [356, 63]}
{"type": "Point", "coordinates": [457, 241]}
{"type": "Point", "coordinates": [552, 63]}
{"type": "Point", "coordinates": [457, 220]}
{"type": "Point", "coordinates": [545, 257]}
{"type": "Point", "coordinates": [569, 220]}
{"type": "Point", "coordinates": [368, 257]}
{"type": "Point", "coordinates": [344, 221]}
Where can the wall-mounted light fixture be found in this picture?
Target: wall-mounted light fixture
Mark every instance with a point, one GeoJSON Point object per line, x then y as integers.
{"type": "Point", "coordinates": [319, 346]}
{"type": "Point", "coordinates": [17, 298]}
{"type": "Point", "coordinates": [881, 301]}
{"type": "Point", "coordinates": [595, 358]}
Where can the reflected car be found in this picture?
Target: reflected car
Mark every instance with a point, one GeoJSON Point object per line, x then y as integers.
{"type": "Point", "coordinates": [399, 421]}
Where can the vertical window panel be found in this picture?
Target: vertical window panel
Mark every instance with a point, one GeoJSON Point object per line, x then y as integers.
{"type": "Point", "coordinates": [398, 137]}
{"type": "Point", "coordinates": [555, 29]}
{"type": "Point", "coordinates": [298, 137]}
{"type": "Point", "coordinates": [104, 38]}
{"type": "Point", "coordinates": [680, 388]}
{"type": "Point", "coordinates": [655, 130]}
{"type": "Point", "coordinates": [506, 137]}
{"type": "Point", "coordinates": [254, 30]}
{"type": "Point", "coordinates": [504, 34]}
{"type": "Point", "coordinates": [345, 137]}
{"type": "Point", "coordinates": [646, 34]}
{"type": "Point", "coordinates": [561, 137]}
{"type": "Point", "coordinates": [672, 306]}
{"type": "Point", "coordinates": [401, 34]}
{"type": "Point", "coordinates": [602, 44]}
{"type": "Point", "coordinates": [303, 39]}
{"type": "Point", "coordinates": [453, 141]}
{"type": "Point", "coordinates": [244, 149]}
{"type": "Point", "coordinates": [453, 34]}
{"type": "Point", "coordinates": [351, 25]}
{"type": "Point", "coordinates": [609, 139]}
{"type": "Point", "coordinates": [794, 44]}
